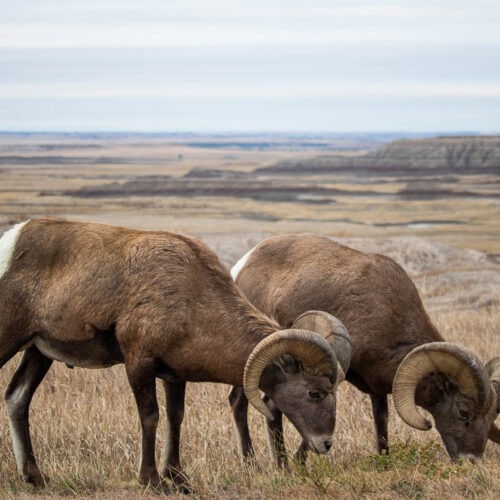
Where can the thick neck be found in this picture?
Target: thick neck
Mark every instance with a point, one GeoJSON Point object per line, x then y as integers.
{"type": "Point", "coordinates": [226, 344]}
{"type": "Point", "coordinates": [249, 330]}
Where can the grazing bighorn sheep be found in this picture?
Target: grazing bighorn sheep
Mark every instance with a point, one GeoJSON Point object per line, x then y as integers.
{"type": "Point", "coordinates": [93, 295]}
{"type": "Point", "coordinates": [394, 344]}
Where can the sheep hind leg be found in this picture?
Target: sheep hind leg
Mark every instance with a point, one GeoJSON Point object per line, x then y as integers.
{"type": "Point", "coordinates": [380, 416]}
{"type": "Point", "coordinates": [239, 407]}
{"type": "Point", "coordinates": [175, 397]}
{"type": "Point", "coordinates": [30, 372]}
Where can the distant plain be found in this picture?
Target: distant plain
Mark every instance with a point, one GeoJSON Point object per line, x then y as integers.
{"type": "Point", "coordinates": [38, 172]}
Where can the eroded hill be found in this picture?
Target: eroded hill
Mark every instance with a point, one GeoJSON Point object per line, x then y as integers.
{"type": "Point", "coordinates": [441, 155]}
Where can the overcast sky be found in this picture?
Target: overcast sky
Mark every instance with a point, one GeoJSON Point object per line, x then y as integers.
{"type": "Point", "coordinates": [260, 65]}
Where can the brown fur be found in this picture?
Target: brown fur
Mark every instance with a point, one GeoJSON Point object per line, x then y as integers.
{"type": "Point", "coordinates": [380, 306]}
{"type": "Point", "coordinates": [94, 295]}
{"type": "Point", "coordinates": [154, 291]}
{"type": "Point", "coordinates": [369, 293]}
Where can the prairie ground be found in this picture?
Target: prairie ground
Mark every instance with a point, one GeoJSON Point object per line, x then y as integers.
{"type": "Point", "coordinates": [84, 423]}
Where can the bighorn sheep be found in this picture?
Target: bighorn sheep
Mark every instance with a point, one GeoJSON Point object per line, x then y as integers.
{"type": "Point", "coordinates": [394, 344]}
{"type": "Point", "coordinates": [93, 295]}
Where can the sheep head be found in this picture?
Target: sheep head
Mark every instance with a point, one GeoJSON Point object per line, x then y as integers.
{"type": "Point", "coordinates": [453, 385]}
{"type": "Point", "coordinates": [298, 371]}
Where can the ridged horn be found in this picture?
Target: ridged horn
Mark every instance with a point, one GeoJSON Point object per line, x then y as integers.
{"type": "Point", "coordinates": [459, 364]}
{"type": "Point", "coordinates": [494, 433]}
{"type": "Point", "coordinates": [307, 347]}
{"type": "Point", "coordinates": [335, 333]}
{"type": "Point", "coordinates": [492, 369]}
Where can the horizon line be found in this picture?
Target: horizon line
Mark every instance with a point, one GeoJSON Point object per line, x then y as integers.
{"type": "Point", "coordinates": [250, 132]}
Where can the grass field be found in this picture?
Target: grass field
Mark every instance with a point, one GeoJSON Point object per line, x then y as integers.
{"type": "Point", "coordinates": [84, 423]}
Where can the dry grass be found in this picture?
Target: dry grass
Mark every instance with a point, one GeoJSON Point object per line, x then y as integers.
{"type": "Point", "coordinates": [86, 436]}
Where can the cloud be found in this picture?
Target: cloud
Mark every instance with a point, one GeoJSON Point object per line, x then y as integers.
{"type": "Point", "coordinates": [255, 24]}
{"type": "Point", "coordinates": [302, 90]}
{"type": "Point", "coordinates": [309, 61]}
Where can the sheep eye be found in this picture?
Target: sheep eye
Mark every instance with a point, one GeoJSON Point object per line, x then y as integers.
{"type": "Point", "coordinates": [464, 415]}
{"type": "Point", "coordinates": [315, 394]}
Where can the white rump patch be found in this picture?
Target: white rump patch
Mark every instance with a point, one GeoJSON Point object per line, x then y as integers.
{"type": "Point", "coordinates": [7, 246]}
{"type": "Point", "coordinates": [236, 269]}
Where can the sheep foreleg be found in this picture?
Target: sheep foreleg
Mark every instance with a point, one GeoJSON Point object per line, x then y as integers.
{"type": "Point", "coordinates": [26, 379]}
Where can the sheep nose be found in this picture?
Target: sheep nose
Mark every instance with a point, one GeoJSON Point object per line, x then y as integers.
{"type": "Point", "coordinates": [328, 444]}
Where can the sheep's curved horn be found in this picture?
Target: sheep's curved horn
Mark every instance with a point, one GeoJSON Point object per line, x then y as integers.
{"type": "Point", "coordinates": [451, 359]}
{"type": "Point", "coordinates": [311, 349]}
{"type": "Point", "coordinates": [334, 331]}
{"type": "Point", "coordinates": [492, 369]}
{"type": "Point", "coordinates": [494, 433]}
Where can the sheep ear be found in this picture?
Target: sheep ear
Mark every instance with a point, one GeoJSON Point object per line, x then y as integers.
{"type": "Point", "coordinates": [276, 372]}
{"type": "Point", "coordinates": [432, 390]}
{"type": "Point", "coordinates": [444, 384]}
{"type": "Point", "coordinates": [288, 364]}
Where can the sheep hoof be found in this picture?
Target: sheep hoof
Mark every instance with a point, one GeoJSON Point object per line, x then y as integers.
{"type": "Point", "coordinates": [157, 487]}
{"type": "Point", "coordinates": [35, 478]}
{"type": "Point", "coordinates": [179, 479]}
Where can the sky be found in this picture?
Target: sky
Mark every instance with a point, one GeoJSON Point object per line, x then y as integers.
{"type": "Point", "coordinates": [250, 66]}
